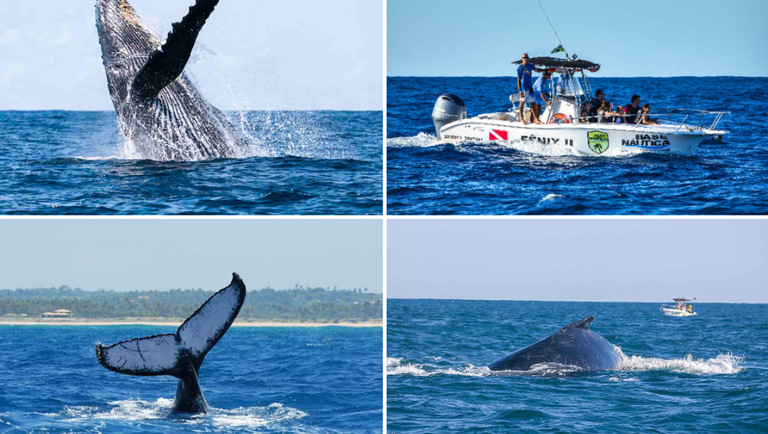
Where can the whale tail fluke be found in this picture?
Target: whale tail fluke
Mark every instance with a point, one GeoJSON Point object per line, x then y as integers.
{"type": "Point", "coordinates": [175, 353]}
{"type": "Point", "coordinates": [166, 63]}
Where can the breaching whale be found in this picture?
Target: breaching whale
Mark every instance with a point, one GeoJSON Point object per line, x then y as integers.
{"type": "Point", "coordinates": [180, 354]}
{"type": "Point", "coordinates": [574, 345]}
{"type": "Point", "coordinates": [159, 109]}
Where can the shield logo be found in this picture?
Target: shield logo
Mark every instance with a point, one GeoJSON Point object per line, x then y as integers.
{"type": "Point", "coordinates": [598, 141]}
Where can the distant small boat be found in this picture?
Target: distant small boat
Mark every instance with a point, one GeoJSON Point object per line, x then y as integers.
{"type": "Point", "coordinates": [681, 308]}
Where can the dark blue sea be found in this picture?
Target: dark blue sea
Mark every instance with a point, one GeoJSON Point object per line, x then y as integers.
{"type": "Point", "coordinates": [265, 380]}
{"type": "Point", "coordinates": [707, 373]}
{"type": "Point", "coordinates": [728, 177]}
{"type": "Point", "coordinates": [327, 162]}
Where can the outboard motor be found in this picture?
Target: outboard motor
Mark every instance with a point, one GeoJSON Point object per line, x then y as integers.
{"type": "Point", "coordinates": [448, 108]}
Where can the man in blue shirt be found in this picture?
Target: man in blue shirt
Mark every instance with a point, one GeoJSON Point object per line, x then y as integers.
{"type": "Point", "coordinates": [540, 95]}
{"type": "Point", "coordinates": [525, 84]}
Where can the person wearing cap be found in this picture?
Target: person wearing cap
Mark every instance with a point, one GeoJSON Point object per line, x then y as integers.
{"type": "Point", "coordinates": [540, 95]}
{"type": "Point", "coordinates": [525, 84]}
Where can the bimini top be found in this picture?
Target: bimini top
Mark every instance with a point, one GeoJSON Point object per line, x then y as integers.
{"type": "Point", "coordinates": [681, 299]}
{"type": "Point", "coordinates": [553, 62]}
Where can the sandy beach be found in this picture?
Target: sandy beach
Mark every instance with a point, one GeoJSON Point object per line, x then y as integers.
{"type": "Point", "coordinates": [174, 322]}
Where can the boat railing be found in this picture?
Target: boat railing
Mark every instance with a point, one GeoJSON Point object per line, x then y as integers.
{"type": "Point", "coordinates": [672, 117]}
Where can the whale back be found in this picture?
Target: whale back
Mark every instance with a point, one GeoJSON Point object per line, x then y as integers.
{"type": "Point", "coordinates": [574, 344]}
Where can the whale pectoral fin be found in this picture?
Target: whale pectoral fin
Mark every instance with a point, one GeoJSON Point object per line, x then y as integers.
{"type": "Point", "coordinates": [201, 331]}
{"type": "Point", "coordinates": [167, 63]}
{"type": "Point", "coordinates": [152, 355]}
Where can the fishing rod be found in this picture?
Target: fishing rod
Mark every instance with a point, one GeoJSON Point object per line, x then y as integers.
{"type": "Point", "coordinates": [553, 30]}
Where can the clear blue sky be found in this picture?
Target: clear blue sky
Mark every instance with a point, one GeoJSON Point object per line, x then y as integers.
{"type": "Point", "coordinates": [656, 38]}
{"type": "Point", "coordinates": [302, 54]}
{"type": "Point", "coordinates": [169, 253]}
{"type": "Point", "coordinates": [648, 260]}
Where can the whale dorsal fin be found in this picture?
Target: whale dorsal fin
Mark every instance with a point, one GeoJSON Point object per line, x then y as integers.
{"type": "Point", "coordinates": [584, 324]}
{"type": "Point", "coordinates": [167, 63]}
{"type": "Point", "coordinates": [168, 354]}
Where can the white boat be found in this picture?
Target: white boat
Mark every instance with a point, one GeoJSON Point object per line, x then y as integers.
{"type": "Point", "coordinates": [679, 132]}
{"type": "Point", "coordinates": [681, 308]}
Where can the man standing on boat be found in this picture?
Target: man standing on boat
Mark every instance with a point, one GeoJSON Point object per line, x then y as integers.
{"type": "Point", "coordinates": [525, 86]}
{"type": "Point", "coordinates": [540, 94]}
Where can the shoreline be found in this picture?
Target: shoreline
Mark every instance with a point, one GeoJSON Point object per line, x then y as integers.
{"type": "Point", "coordinates": [175, 322]}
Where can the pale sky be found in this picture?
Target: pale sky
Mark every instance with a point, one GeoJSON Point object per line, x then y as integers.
{"type": "Point", "coordinates": [169, 253]}
{"type": "Point", "coordinates": [647, 38]}
{"type": "Point", "coordinates": [260, 55]}
{"type": "Point", "coordinates": [649, 260]}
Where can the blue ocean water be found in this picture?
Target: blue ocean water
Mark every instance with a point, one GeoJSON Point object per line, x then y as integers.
{"type": "Point", "coordinates": [266, 380]}
{"type": "Point", "coordinates": [327, 162]}
{"type": "Point", "coordinates": [707, 373]}
{"type": "Point", "coordinates": [728, 177]}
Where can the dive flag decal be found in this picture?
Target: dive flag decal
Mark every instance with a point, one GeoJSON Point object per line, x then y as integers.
{"type": "Point", "coordinates": [497, 135]}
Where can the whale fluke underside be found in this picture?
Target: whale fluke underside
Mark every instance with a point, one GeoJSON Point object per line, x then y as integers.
{"type": "Point", "coordinates": [166, 63]}
{"type": "Point", "coordinates": [573, 345]}
{"type": "Point", "coordinates": [182, 353]}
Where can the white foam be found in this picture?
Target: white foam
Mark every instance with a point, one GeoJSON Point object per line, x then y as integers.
{"type": "Point", "coordinates": [422, 140]}
{"type": "Point", "coordinates": [396, 367]}
{"type": "Point", "coordinates": [552, 196]}
{"type": "Point", "coordinates": [274, 416]}
{"type": "Point", "coordinates": [722, 364]}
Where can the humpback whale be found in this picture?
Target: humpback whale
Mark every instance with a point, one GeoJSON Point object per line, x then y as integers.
{"type": "Point", "coordinates": [180, 354]}
{"type": "Point", "coordinates": [575, 344]}
{"type": "Point", "coordinates": [159, 110]}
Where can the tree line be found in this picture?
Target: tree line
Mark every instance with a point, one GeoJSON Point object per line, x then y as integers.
{"type": "Point", "coordinates": [296, 304]}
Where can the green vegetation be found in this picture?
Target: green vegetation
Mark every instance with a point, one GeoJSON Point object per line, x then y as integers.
{"type": "Point", "coordinates": [297, 304]}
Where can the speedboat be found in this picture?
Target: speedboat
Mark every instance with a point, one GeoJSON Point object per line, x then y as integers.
{"type": "Point", "coordinates": [679, 132]}
{"type": "Point", "coordinates": [681, 308]}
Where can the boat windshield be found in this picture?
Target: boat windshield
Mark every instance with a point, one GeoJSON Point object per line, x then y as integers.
{"type": "Point", "coordinates": [568, 86]}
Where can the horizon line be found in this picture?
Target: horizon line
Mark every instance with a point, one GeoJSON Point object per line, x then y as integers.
{"type": "Point", "coordinates": [575, 301]}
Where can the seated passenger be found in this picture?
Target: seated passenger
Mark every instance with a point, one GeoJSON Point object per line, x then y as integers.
{"type": "Point", "coordinates": [606, 113]}
{"type": "Point", "coordinates": [585, 116]}
{"type": "Point", "coordinates": [644, 116]}
{"type": "Point", "coordinates": [630, 110]}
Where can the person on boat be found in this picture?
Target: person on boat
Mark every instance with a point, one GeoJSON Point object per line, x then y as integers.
{"type": "Point", "coordinates": [644, 116]}
{"type": "Point", "coordinates": [525, 85]}
{"type": "Point", "coordinates": [562, 83]}
{"type": "Point", "coordinates": [586, 113]}
{"type": "Point", "coordinates": [598, 101]}
{"type": "Point", "coordinates": [630, 110]}
{"type": "Point", "coordinates": [606, 113]}
{"type": "Point", "coordinates": [540, 94]}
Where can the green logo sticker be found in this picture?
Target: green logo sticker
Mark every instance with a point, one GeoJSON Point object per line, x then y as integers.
{"type": "Point", "coordinates": [598, 141]}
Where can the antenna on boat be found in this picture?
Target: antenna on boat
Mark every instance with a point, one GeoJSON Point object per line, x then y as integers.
{"type": "Point", "coordinates": [553, 30]}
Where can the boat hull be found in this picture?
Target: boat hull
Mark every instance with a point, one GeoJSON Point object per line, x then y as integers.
{"type": "Point", "coordinates": [587, 139]}
{"type": "Point", "coordinates": [679, 313]}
